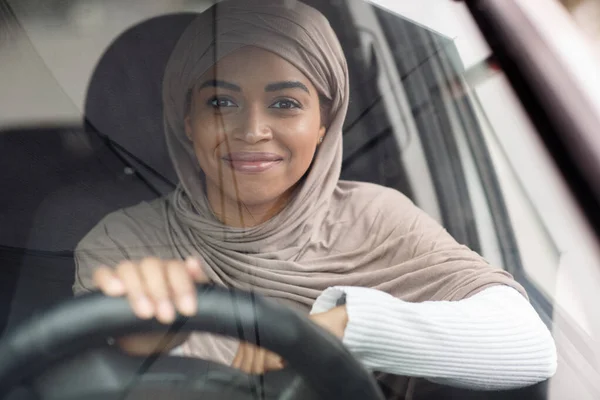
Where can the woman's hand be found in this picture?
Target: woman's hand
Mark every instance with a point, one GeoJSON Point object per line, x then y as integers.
{"type": "Point", "coordinates": [255, 360]}
{"type": "Point", "coordinates": [334, 320]}
{"type": "Point", "coordinates": [155, 288]}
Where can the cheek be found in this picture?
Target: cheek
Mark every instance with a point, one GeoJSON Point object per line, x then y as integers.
{"type": "Point", "coordinates": [206, 137]}
{"type": "Point", "coordinates": [300, 139]}
{"type": "Point", "coordinates": [207, 133]}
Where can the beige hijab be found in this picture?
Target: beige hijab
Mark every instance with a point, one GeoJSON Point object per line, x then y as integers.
{"type": "Point", "coordinates": [332, 233]}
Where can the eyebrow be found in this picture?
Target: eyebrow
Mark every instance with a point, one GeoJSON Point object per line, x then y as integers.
{"type": "Point", "coordinates": [273, 87]}
{"type": "Point", "coordinates": [222, 84]}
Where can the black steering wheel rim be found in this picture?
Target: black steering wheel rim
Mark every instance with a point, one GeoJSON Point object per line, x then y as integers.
{"type": "Point", "coordinates": [85, 322]}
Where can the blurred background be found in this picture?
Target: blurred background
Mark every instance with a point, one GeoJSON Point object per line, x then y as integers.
{"type": "Point", "coordinates": [587, 15]}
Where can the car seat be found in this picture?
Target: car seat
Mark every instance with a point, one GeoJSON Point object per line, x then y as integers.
{"type": "Point", "coordinates": [59, 182]}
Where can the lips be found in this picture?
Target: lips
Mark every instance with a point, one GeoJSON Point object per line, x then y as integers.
{"type": "Point", "coordinates": [252, 162]}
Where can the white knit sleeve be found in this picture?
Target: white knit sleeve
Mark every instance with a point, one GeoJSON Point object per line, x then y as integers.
{"type": "Point", "coordinates": [493, 340]}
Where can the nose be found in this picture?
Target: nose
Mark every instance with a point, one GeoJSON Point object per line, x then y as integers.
{"type": "Point", "coordinates": [253, 126]}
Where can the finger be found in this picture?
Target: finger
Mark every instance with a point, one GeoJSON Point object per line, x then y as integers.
{"type": "Point", "coordinates": [108, 282]}
{"type": "Point", "coordinates": [273, 362]}
{"type": "Point", "coordinates": [249, 355]}
{"type": "Point", "coordinates": [140, 303]}
{"type": "Point", "coordinates": [239, 357]}
{"type": "Point", "coordinates": [155, 281]}
{"type": "Point", "coordinates": [182, 288]}
{"type": "Point", "coordinates": [195, 269]}
{"type": "Point", "coordinates": [258, 364]}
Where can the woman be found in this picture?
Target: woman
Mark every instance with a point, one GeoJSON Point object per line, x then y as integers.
{"type": "Point", "coordinates": [254, 127]}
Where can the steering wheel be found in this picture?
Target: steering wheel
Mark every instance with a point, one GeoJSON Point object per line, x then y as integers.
{"type": "Point", "coordinates": [62, 353]}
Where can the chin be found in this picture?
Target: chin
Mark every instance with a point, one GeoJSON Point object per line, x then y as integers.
{"type": "Point", "coordinates": [251, 197]}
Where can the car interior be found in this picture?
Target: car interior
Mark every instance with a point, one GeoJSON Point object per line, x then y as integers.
{"type": "Point", "coordinates": [77, 175]}
{"type": "Point", "coordinates": [80, 176]}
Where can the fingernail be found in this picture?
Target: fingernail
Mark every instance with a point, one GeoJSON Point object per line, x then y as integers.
{"type": "Point", "coordinates": [278, 362]}
{"type": "Point", "coordinates": [115, 287]}
{"type": "Point", "coordinates": [187, 305]}
{"type": "Point", "coordinates": [193, 263]}
{"type": "Point", "coordinates": [166, 313]}
{"type": "Point", "coordinates": [144, 307]}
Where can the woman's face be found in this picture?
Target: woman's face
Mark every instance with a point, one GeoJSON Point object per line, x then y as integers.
{"type": "Point", "coordinates": [255, 124]}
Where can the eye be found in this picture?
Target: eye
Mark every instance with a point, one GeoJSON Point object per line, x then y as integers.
{"type": "Point", "coordinates": [221, 102]}
{"type": "Point", "coordinates": [286, 104]}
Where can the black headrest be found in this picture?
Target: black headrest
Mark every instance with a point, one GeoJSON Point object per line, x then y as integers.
{"type": "Point", "coordinates": [124, 100]}
{"type": "Point", "coordinates": [59, 183]}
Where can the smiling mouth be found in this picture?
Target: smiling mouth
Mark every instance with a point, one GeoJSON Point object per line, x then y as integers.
{"type": "Point", "coordinates": [252, 162]}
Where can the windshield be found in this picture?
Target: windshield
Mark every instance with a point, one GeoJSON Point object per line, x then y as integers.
{"type": "Point", "coordinates": [430, 115]}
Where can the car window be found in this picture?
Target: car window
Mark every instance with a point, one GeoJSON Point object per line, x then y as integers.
{"type": "Point", "coordinates": [527, 220]}
{"type": "Point", "coordinates": [431, 115]}
{"type": "Point", "coordinates": [555, 247]}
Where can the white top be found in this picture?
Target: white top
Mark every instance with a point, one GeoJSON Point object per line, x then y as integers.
{"type": "Point", "coordinates": [493, 340]}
